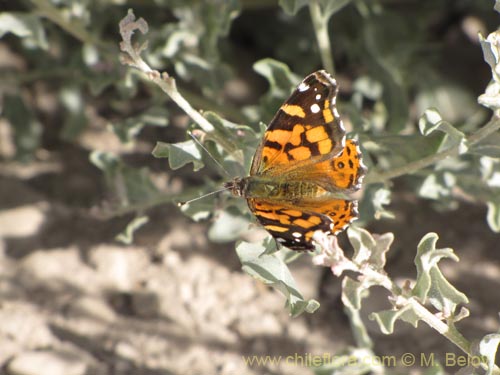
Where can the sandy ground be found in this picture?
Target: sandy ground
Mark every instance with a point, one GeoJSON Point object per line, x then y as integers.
{"type": "Point", "coordinates": [74, 301]}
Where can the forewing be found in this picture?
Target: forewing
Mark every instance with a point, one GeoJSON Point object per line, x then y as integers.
{"type": "Point", "coordinates": [307, 127]}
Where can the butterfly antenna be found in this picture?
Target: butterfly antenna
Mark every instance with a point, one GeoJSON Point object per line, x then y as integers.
{"type": "Point", "coordinates": [180, 204]}
{"type": "Point", "coordinates": [209, 154]}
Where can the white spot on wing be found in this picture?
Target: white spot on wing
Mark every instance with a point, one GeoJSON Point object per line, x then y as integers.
{"type": "Point", "coordinates": [315, 108]}
{"type": "Point", "coordinates": [297, 234]}
{"type": "Point", "coordinates": [318, 96]}
{"type": "Point", "coordinates": [303, 87]}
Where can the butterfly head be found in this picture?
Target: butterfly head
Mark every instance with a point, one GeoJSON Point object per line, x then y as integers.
{"type": "Point", "coordinates": [237, 186]}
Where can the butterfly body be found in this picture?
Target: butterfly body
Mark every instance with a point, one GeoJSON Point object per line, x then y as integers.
{"type": "Point", "coordinates": [277, 189]}
{"type": "Point", "coordinates": [304, 171]}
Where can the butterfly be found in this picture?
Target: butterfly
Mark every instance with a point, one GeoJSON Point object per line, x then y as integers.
{"type": "Point", "coordinates": [304, 170]}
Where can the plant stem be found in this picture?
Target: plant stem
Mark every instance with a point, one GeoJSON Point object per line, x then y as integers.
{"type": "Point", "coordinates": [320, 23]}
{"type": "Point", "coordinates": [447, 330]}
{"type": "Point", "coordinates": [73, 27]}
{"type": "Point", "coordinates": [432, 321]}
{"type": "Point", "coordinates": [167, 84]}
{"type": "Point", "coordinates": [379, 177]}
{"type": "Point", "coordinates": [492, 126]}
{"type": "Point", "coordinates": [132, 56]}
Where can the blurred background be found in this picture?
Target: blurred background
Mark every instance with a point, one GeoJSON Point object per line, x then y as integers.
{"type": "Point", "coordinates": [100, 273]}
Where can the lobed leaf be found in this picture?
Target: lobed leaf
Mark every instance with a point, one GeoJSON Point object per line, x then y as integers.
{"type": "Point", "coordinates": [352, 293]}
{"type": "Point", "coordinates": [130, 128]}
{"type": "Point", "coordinates": [130, 185]}
{"type": "Point", "coordinates": [491, 96]}
{"type": "Point", "coordinates": [368, 248]}
{"type": "Point", "coordinates": [281, 83]}
{"type": "Point", "coordinates": [228, 225]}
{"type": "Point", "coordinates": [488, 347]}
{"type": "Point", "coordinates": [127, 235]}
{"type": "Point", "coordinates": [25, 26]}
{"type": "Point", "coordinates": [431, 285]}
{"type": "Point", "coordinates": [491, 53]}
{"type": "Point", "coordinates": [271, 270]}
{"type": "Point", "coordinates": [237, 141]}
{"type": "Point", "coordinates": [431, 122]}
{"type": "Point", "coordinates": [437, 185]}
{"type": "Point", "coordinates": [375, 198]}
{"type": "Point", "coordinates": [179, 154]}
{"type": "Point", "coordinates": [387, 319]}
{"type": "Point", "coordinates": [493, 214]}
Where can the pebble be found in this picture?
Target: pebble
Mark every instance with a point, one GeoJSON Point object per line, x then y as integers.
{"type": "Point", "coordinates": [21, 221]}
{"type": "Point", "coordinates": [46, 363]}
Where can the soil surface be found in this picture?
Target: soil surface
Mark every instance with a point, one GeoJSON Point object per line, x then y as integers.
{"type": "Point", "coordinates": [75, 301]}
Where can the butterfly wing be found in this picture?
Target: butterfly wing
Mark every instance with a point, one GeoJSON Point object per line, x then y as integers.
{"type": "Point", "coordinates": [306, 129]}
{"type": "Point", "coordinates": [294, 226]}
{"type": "Point", "coordinates": [305, 141]}
{"type": "Point", "coordinates": [343, 172]}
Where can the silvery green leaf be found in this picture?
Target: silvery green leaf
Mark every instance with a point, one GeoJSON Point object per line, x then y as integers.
{"type": "Point", "coordinates": [431, 122]}
{"type": "Point", "coordinates": [491, 97]}
{"type": "Point", "coordinates": [281, 82]}
{"type": "Point", "coordinates": [25, 26]}
{"type": "Point", "coordinates": [179, 154]}
{"type": "Point", "coordinates": [127, 236]}
{"type": "Point", "coordinates": [387, 319]}
{"type": "Point", "coordinates": [493, 215]}
{"type": "Point", "coordinates": [369, 248]}
{"type": "Point", "coordinates": [227, 226]}
{"type": "Point", "coordinates": [352, 293]}
{"type": "Point", "coordinates": [130, 185]}
{"type": "Point", "coordinates": [271, 270]}
{"type": "Point", "coordinates": [488, 347]}
{"type": "Point", "coordinates": [376, 197]}
{"type": "Point", "coordinates": [130, 128]}
{"type": "Point", "coordinates": [431, 285]}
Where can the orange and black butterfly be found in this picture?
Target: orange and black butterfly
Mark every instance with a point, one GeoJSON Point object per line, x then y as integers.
{"type": "Point", "coordinates": [304, 170]}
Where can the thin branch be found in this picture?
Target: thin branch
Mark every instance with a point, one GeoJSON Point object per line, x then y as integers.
{"type": "Point", "coordinates": [379, 177]}
{"type": "Point", "coordinates": [73, 27]}
{"type": "Point", "coordinates": [320, 22]}
{"type": "Point", "coordinates": [334, 257]}
{"type": "Point", "coordinates": [432, 321]}
{"type": "Point", "coordinates": [132, 57]}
